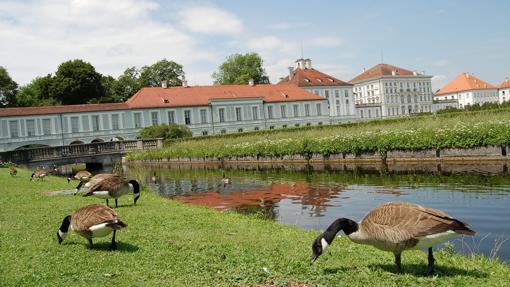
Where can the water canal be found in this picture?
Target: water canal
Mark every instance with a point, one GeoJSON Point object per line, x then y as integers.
{"type": "Point", "coordinates": [312, 199]}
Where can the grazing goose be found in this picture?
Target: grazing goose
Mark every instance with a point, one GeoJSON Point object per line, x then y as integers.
{"type": "Point", "coordinates": [395, 227]}
{"type": "Point", "coordinates": [13, 171]}
{"type": "Point", "coordinates": [39, 174]}
{"type": "Point", "coordinates": [95, 220]}
{"type": "Point", "coordinates": [113, 186]}
{"type": "Point", "coordinates": [83, 176]}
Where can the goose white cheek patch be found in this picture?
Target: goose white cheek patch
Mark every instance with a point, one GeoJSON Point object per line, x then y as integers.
{"type": "Point", "coordinates": [324, 244]}
{"type": "Point", "coordinates": [62, 234]}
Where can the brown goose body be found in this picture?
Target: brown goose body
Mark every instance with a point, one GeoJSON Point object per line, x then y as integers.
{"type": "Point", "coordinates": [91, 221]}
{"type": "Point", "coordinates": [13, 171]}
{"type": "Point", "coordinates": [396, 227]}
{"type": "Point", "coordinates": [39, 174]}
{"type": "Point", "coordinates": [112, 186]}
{"type": "Point", "coordinates": [97, 178]}
{"type": "Point", "coordinates": [83, 176]}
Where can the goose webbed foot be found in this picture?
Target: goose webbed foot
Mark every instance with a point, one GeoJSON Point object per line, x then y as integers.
{"type": "Point", "coordinates": [430, 267]}
{"type": "Point", "coordinates": [91, 245]}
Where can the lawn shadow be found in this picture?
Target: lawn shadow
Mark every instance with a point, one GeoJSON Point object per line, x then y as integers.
{"type": "Point", "coordinates": [440, 270]}
{"type": "Point", "coordinates": [121, 247]}
{"type": "Point", "coordinates": [342, 269]}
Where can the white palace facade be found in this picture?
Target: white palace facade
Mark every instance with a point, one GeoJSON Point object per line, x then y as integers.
{"type": "Point", "coordinates": [205, 110]}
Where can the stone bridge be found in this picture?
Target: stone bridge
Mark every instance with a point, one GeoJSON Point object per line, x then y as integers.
{"type": "Point", "coordinates": [93, 154]}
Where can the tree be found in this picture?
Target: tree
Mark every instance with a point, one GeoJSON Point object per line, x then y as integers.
{"type": "Point", "coordinates": [8, 89]}
{"type": "Point", "coordinates": [76, 82]}
{"type": "Point", "coordinates": [239, 69]}
{"type": "Point", "coordinates": [151, 76]}
{"type": "Point", "coordinates": [37, 93]}
{"type": "Point", "coordinates": [127, 84]}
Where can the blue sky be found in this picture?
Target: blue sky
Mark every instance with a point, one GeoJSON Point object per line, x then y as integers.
{"type": "Point", "coordinates": [442, 38]}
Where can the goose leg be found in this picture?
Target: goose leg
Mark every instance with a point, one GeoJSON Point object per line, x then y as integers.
{"type": "Point", "coordinates": [107, 203]}
{"type": "Point", "coordinates": [398, 263]}
{"type": "Point", "coordinates": [113, 246]}
{"type": "Point", "coordinates": [430, 267]}
{"type": "Point", "coordinates": [115, 203]}
{"type": "Point", "coordinates": [91, 245]}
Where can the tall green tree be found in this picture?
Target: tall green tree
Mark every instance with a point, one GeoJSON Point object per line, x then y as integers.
{"type": "Point", "coordinates": [127, 84]}
{"type": "Point", "coordinates": [239, 69]}
{"type": "Point", "coordinates": [151, 76]}
{"type": "Point", "coordinates": [37, 93]}
{"type": "Point", "coordinates": [76, 82]}
{"type": "Point", "coordinates": [8, 89]}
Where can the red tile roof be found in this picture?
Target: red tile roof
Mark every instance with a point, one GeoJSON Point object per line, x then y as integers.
{"type": "Point", "coordinates": [157, 97]}
{"type": "Point", "coordinates": [311, 77]}
{"type": "Point", "coordinates": [505, 84]}
{"type": "Point", "coordinates": [380, 70]}
{"type": "Point", "coordinates": [61, 109]}
{"type": "Point", "coordinates": [464, 82]}
{"type": "Point", "coordinates": [201, 95]}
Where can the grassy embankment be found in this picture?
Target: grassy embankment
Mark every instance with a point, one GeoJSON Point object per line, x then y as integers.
{"type": "Point", "coordinates": [171, 244]}
{"type": "Point", "coordinates": [455, 130]}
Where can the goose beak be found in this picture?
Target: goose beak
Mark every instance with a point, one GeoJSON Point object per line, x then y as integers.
{"type": "Point", "coordinates": [313, 259]}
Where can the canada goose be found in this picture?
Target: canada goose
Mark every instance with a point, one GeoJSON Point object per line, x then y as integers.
{"type": "Point", "coordinates": [113, 186]}
{"type": "Point", "coordinates": [395, 227]}
{"type": "Point", "coordinates": [95, 220]}
{"type": "Point", "coordinates": [226, 180]}
{"type": "Point", "coordinates": [82, 176]}
{"type": "Point", "coordinates": [39, 174]}
{"type": "Point", "coordinates": [13, 171]}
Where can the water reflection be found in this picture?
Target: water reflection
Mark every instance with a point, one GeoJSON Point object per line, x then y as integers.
{"type": "Point", "coordinates": [313, 199]}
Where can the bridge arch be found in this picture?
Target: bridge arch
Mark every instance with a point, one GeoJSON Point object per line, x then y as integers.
{"type": "Point", "coordinates": [76, 142]}
{"type": "Point", "coordinates": [97, 140]}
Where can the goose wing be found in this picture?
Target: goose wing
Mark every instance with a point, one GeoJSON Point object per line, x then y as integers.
{"type": "Point", "coordinates": [90, 215]}
{"type": "Point", "coordinates": [401, 221]}
{"type": "Point", "coordinates": [82, 174]}
{"type": "Point", "coordinates": [113, 182]}
{"type": "Point", "coordinates": [97, 178]}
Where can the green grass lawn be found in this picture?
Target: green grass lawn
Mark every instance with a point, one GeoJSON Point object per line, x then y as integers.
{"type": "Point", "coordinates": [171, 244]}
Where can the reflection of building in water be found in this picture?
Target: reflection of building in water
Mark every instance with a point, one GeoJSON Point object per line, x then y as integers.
{"type": "Point", "coordinates": [317, 197]}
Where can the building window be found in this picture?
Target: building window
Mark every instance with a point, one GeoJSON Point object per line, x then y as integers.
{"type": "Point", "coordinates": [307, 110]}
{"type": "Point", "coordinates": [337, 93]}
{"type": "Point", "coordinates": [222, 115]}
{"type": "Point", "coordinates": [296, 110]}
{"type": "Point", "coordinates": [283, 110]}
{"type": "Point", "coordinates": [326, 93]}
{"type": "Point", "coordinates": [308, 124]}
{"type": "Point", "coordinates": [270, 112]}
{"type": "Point", "coordinates": [203, 116]}
{"type": "Point", "coordinates": [256, 129]}
{"type": "Point", "coordinates": [115, 122]}
{"type": "Point", "coordinates": [223, 131]}
{"type": "Point", "coordinates": [154, 118]}
{"type": "Point", "coordinates": [74, 124]}
{"type": "Point", "coordinates": [271, 127]}
{"type": "Point", "coordinates": [138, 121]}
{"type": "Point", "coordinates": [316, 92]}
{"type": "Point", "coordinates": [346, 93]}
{"type": "Point", "coordinates": [255, 113]}
{"type": "Point", "coordinates": [319, 110]}
{"type": "Point", "coordinates": [30, 128]}
{"type": "Point", "coordinates": [46, 124]}
{"type": "Point", "coordinates": [239, 116]}
{"type": "Point", "coordinates": [361, 113]}
{"type": "Point", "coordinates": [187, 117]}
{"type": "Point", "coordinates": [171, 117]}
{"type": "Point", "coordinates": [376, 113]}
{"type": "Point", "coordinates": [284, 126]}
{"type": "Point", "coordinates": [319, 123]}
{"type": "Point", "coordinates": [204, 133]}
{"type": "Point", "coordinates": [13, 127]}
{"type": "Point", "coordinates": [95, 123]}
{"type": "Point", "coordinates": [369, 113]}
{"type": "Point", "coordinates": [239, 130]}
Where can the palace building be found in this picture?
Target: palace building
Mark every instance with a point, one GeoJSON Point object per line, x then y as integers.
{"type": "Point", "coordinates": [205, 110]}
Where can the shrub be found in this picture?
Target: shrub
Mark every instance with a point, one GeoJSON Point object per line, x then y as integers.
{"type": "Point", "coordinates": [168, 132]}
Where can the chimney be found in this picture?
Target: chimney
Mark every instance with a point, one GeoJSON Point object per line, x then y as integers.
{"type": "Point", "coordinates": [164, 84]}
{"type": "Point", "coordinates": [308, 63]}
{"type": "Point", "coordinates": [415, 73]}
{"type": "Point", "coordinates": [467, 75]}
{"type": "Point", "coordinates": [393, 73]}
{"type": "Point", "coordinates": [291, 73]}
{"type": "Point", "coordinates": [364, 70]}
{"type": "Point", "coordinates": [300, 63]}
{"type": "Point", "coordinates": [184, 83]}
{"type": "Point", "coordinates": [251, 82]}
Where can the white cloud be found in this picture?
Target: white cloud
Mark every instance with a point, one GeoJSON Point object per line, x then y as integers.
{"type": "Point", "coordinates": [210, 20]}
{"type": "Point", "coordinates": [438, 81]}
{"type": "Point", "coordinates": [267, 43]}
{"type": "Point", "coordinates": [441, 63]}
{"type": "Point", "coordinates": [111, 35]}
{"type": "Point", "coordinates": [325, 42]}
